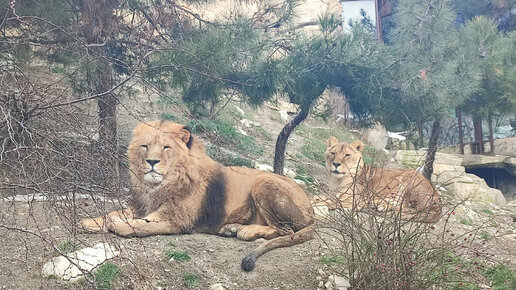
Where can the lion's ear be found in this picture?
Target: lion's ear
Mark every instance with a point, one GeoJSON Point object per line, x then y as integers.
{"type": "Point", "coordinates": [331, 141]}
{"type": "Point", "coordinates": [357, 145]}
{"type": "Point", "coordinates": [186, 136]}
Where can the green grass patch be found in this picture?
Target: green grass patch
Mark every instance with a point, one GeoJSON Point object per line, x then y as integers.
{"type": "Point", "coordinates": [226, 133]}
{"type": "Point", "coordinates": [502, 277]}
{"type": "Point", "coordinates": [168, 116]}
{"type": "Point", "coordinates": [191, 280]}
{"type": "Point", "coordinates": [324, 133]}
{"type": "Point", "coordinates": [67, 247]}
{"type": "Point", "coordinates": [59, 70]}
{"type": "Point", "coordinates": [305, 179]}
{"type": "Point", "coordinates": [484, 235]}
{"type": "Point", "coordinates": [329, 260]}
{"type": "Point", "coordinates": [466, 221]}
{"type": "Point", "coordinates": [314, 150]}
{"type": "Point", "coordinates": [106, 275]}
{"type": "Point", "coordinates": [227, 159]}
{"type": "Point", "coordinates": [181, 256]}
{"type": "Point", "coordinates": [488, 211]}
{"type": "Point", "coordinates": [264, 134]}
{"type": "Point", "coordinates": [494, 224]}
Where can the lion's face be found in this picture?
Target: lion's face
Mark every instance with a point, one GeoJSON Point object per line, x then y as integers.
{"type": "Point", "coordinates": [343, 159]}
{"type": "Point", "coordinates": [157, 149]}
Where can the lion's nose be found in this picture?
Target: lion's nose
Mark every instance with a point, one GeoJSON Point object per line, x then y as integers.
{"type": "Point", "coordinates": [336, 164]}
{"type": "Point", "coordinates": [152, 162]}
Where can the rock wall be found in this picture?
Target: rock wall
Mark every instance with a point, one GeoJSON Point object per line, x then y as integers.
{"type": "Point", "coordinates": [450, 173]}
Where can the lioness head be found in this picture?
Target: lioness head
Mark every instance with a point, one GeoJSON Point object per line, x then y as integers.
{"type": "Point", "coordinates": [156, 149]}
{"type": "Point", "coordinates": [343, 159]}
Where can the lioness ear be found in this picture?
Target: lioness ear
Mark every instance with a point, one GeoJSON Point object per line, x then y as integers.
{"type": "Point", "coordinates": [357, 145]}
{"type": "Point", "coordinates": [331, 141]}
{"type": "Point", "coordinates": [186, 136]}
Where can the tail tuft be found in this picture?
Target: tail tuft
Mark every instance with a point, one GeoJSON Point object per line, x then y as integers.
{"type": "Point", "coordinates": [248, 262]}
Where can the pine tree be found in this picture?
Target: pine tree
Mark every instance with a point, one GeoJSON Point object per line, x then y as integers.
{"type": "Point", "coordinates": [104, 44]}
{"type": "Point", "coordinates": [481, 35]}
{"type": "Point", "coordinates": [435, 73]}
{"type": "Point", "coordinates": [315, 63]}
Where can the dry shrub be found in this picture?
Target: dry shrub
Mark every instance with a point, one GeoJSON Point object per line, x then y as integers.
{"type": "Point", "coordinates": [50, 151]}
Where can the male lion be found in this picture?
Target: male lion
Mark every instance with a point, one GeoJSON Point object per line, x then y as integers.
{"type": "Point", "coordinates": [177, 189]}
{"type": "Point", "coordinates": [378, 190]}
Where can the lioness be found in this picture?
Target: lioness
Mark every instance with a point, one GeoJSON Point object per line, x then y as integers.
{"type": "Point", "coordinates": [380, 190]}
{"type": "Point", "coordinates": [177, 189]}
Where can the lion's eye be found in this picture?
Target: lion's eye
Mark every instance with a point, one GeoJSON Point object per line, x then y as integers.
{"type": "Point", "coordinates": [332, 154]}
{"type": "Point", "coordinates": [145, 147]}
{"type": "Point", "coordinates": [166, 147]}
{"type": "Point", "coordinates": [347, 155]}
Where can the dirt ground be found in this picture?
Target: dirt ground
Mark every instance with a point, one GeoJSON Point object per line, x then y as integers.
{"type": "Point", "coordinates": [214, 259]}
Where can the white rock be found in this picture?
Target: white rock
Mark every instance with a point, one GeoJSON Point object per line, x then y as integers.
{"type": "Point", "coordinates": [264, 167]}
{"type": "Point", "coordinates": [249, 123]}
{"type": "Point", "coordinates": [510, 236]}
{"type": "Point", "coordinates": [328, 285]}
{"type": "Point", "coordinates": [241, 131]}
{"type": "Point", "coordinates": [283, 114]}
{"type": "Point", "coordinates": [397, 135]}
{"type": "Point", "coordinates": [321, 210]}
{"type": "Point", "coordinates": [338, 282]}
{"type": "Point", "coordinates": [289, 172]}
{"type": "Point", "coordinates": [299, 181]}
{"type": "Point", "coordinates": [239, 110]}
{"type": "Point", "coordinates": [71, 267]}
{"type": "Point", "coordinates": [217, 286]}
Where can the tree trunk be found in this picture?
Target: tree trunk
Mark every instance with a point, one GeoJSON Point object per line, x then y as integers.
{"type": "Point", "coordinates": [98, 26]}
{"type": "Point", "coordinates": [108, 141]}
{"type": "Point", "coordinates": [420, 132]}
{"type": "Point", "coordinates": [478, 144]}
{"type": "Point", "coordinates": [281, 142]}
{"type": "Point", "coordinates": [428, 168]}
{"type": "Point", "coordinates": [461, 133]}
{"type": "Point", "coordinates": [491, 140]}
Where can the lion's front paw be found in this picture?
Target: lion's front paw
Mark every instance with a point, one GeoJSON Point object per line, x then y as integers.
{"type": "Point", "coordinates": [93, 225]}
{"type": "Point", "coordinates": [121, 228]}
{"type": "Point", "coordinates": [229, 230]}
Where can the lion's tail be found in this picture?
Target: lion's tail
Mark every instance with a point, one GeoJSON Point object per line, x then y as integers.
{"type": "Point", "coordinates": [298, 237]}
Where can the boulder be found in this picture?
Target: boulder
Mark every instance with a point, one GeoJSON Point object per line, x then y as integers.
{"type": "Point", "coordinates": [450, 172]}
{"type": "Point", "coordinates": [263, 167]}
{"type": "Point", "coordinates": [336, 282]}
{"type": "Point", "coordinates": [73, 266]}
{"type": "Point", "coordinates": [470, 187]}
{"type": "Point", "coordinates": [410, 158]}
{"type": "Point", "coordinates": [217, 286]}
{"type": "Point", "coordinates": [506, 146]}
{"type": "Point", "coordinates": [376, 136]}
